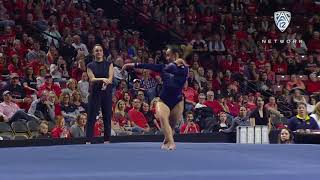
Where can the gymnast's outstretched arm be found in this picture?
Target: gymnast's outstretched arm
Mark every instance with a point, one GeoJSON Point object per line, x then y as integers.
{"type": "Point", "coordinates": [153, 67]}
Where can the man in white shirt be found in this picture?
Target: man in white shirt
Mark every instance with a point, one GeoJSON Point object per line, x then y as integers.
{"type": "Point", "coordinates": [79, 46]}
{"type": "Point", "coordinates": [10, 111]}
{"type": "Point", "coordinates": [201, 100]}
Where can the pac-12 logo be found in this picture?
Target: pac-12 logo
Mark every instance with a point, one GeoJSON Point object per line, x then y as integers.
{"type": "Point", "coordinates": [282, 19]}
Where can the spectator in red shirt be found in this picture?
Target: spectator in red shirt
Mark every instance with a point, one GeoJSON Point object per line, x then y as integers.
{"type": "Point", "coordinates": [98, 127]}
{"type": "Point", "coordinates": [271, 74]}
{"type": "Point", "coordinates": [60, 131]}
{"type": "Point", "coordinates": [137, 118]}
{"type": "Point", "coordinates": [241, 33]}
{"type": "Point", "coordinates": [216, 105]}
{"type": "Point", "coordinates": [50, 86]}
{"type": "Point", "coordinates": [314, 44]}
{"type": "Point", "coordinates": [234, 107]}
{"type": "Point", "coordinates": [313, 86]}
{"type": "Point", "coordinates": [226, 64]}
{"type": "Point", "coordinates": [80, 67]}
{"type": "Point", "coordinates": [261, 62]}
{"type": "Point", "coordinates": [17, 49]}
{"type": "Point", "coordinates": [190, 95]}
{"type": "Point", "coordinates": [189, 127]}
{"type": "Point", "coordinates": [53, 98]}
{"type": "Point", "coordinates": [295, 82]}
{"type": "Point", "coordinates": [121, 119]}
{"type": "Point", "coordinates": [16, 65]}
{"type": "Point", "coordinates": [281, 67]}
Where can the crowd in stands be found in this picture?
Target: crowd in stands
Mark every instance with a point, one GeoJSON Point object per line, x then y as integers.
{"type": "Point", "coordinates": [234, 78]}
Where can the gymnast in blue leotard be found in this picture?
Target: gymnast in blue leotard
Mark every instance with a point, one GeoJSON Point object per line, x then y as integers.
{"type": "Point", "coordinates": [170, 107]}
{"type": "Point", "coordinates": [173, 76]}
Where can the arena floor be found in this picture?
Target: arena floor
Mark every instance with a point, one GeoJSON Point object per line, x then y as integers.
{"type": "Point", "coordinates": [139, 161]}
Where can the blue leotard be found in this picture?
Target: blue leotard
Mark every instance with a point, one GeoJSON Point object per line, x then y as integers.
{"type": "Point", "coordinates": [173, 77]}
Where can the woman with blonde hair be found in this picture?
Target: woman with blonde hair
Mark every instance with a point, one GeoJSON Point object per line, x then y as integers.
{"type": "Point", "coordinates": [77, 102]}
{"type": "Point", "coordinates": [72, 85]}
{"type": "Point", "coordinates": [120, 121]}
{"type": "Point", "coordinates": [78, 129]}
{"type": "Point", "coordinates": [68, 111]}
{"type": "Point", "coordinates": [54, 100]}
{"type": "Point", "coordinates": [316, 113]}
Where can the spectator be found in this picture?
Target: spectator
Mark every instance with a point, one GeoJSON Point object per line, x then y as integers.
{"type": "Point", "coordinates": [127, 100]}
{"type": "Point", "coordinates": [136, 87]}
{"type": "Point", "coordinates": [50, 86]}
{"type": "Point", "coordinates": [300, 48]}
{"type": "Point", "coordinates": [120, 117]}
{"type": "Point", "coordinates": [190, 97]}
{"type": "Point", "coordinates": [68, 111]}
{"type": "Point", "coordinates": [222, 121]}
{"type": "Point", "coordinates": [314, 44]}
{"type": "Point", "coordinates": [147, 81]}
{"type": "Point", "coordinates": [60, 131]}
{"type": "Point", "coordinates": [35, 54]}
{"type": "Point", "coordinates": [16, 90]}
{"type": "Point", "coordinates": [297, 97]}
{"type": "Point", "coordinates": [313, 86]}
{"type": "Point", "coordinates": [98, 127]}
{"type": "Point", "coordinates": [152, 121]}
{"type": "Point", "coordinates": [30, 82]}
{"type": "Point", "coordinates": [43, 108]}
{"type": "Point", "coordinates": [54, 99]}
{"type": "Point", "coordinates": [78, 129]}
{"type": "Point", "coordinates": [285, 136]}
{"type": "Point", "coordinates": [241, 120]}
{"type": "Point", "coordinates": [80, 47]}
{"type": "Point", "coordinates": [43, 131]}
{"type": "Point", "coordinates": [59, 71]}
{"type": "Point", "coordinates": [77, 101]}
{"type": "Point", "coordinates": [71, 86]}
{"type": "Point", "coordinates": [302, 121]}
{"type": "Point", "coordinates": [233, 106]}
{"type": "Point", "coordinates": [189, 126]}
{"type": "Point", "coordinates": [10, 111]}
{"type": "Point", "coordinates": [260, 116]}
{"type": "Point", "coordinates": [216, 45]}
{"type": "Point", "coordinates": [316, 113]}
{"type": "Point", "coordinates": [137, 118]}
{"type": "Point", "coordinates": [83, 86]}
{"type": "Point", "coordinates": [118, 73]}
{"type": "Point", "coordinates": [201, 101]}
{"type": "Point", "coordinates": [79, 67]}
{"type": "Point", "coordinates": [295, 83]}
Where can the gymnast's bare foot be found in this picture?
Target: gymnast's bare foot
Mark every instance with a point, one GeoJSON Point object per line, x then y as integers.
{"type": "Point", "coordinates": [106, 142]}
{"type": "Point", "coordinates": [171, 146]}
{"type": "Point", "coordinates": [164, 146]}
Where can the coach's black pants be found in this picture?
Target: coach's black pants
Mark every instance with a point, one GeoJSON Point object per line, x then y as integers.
{"type": "Point", "coordinates": [100, 99]}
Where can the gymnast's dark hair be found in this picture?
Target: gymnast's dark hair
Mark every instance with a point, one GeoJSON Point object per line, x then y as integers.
{"type": "Point", "coordinates": [175, 50]}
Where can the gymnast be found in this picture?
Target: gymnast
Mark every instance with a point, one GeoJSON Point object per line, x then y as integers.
{"type": "Point", "coordinates": [169, 108]}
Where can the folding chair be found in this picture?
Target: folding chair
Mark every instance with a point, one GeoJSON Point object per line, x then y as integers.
{"type": "Point", "coordinates": [5, 130]}
{"type": "Point", "coordinates": [20, 128]}
{"type": "Point", "coordinates": [33, 127]}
